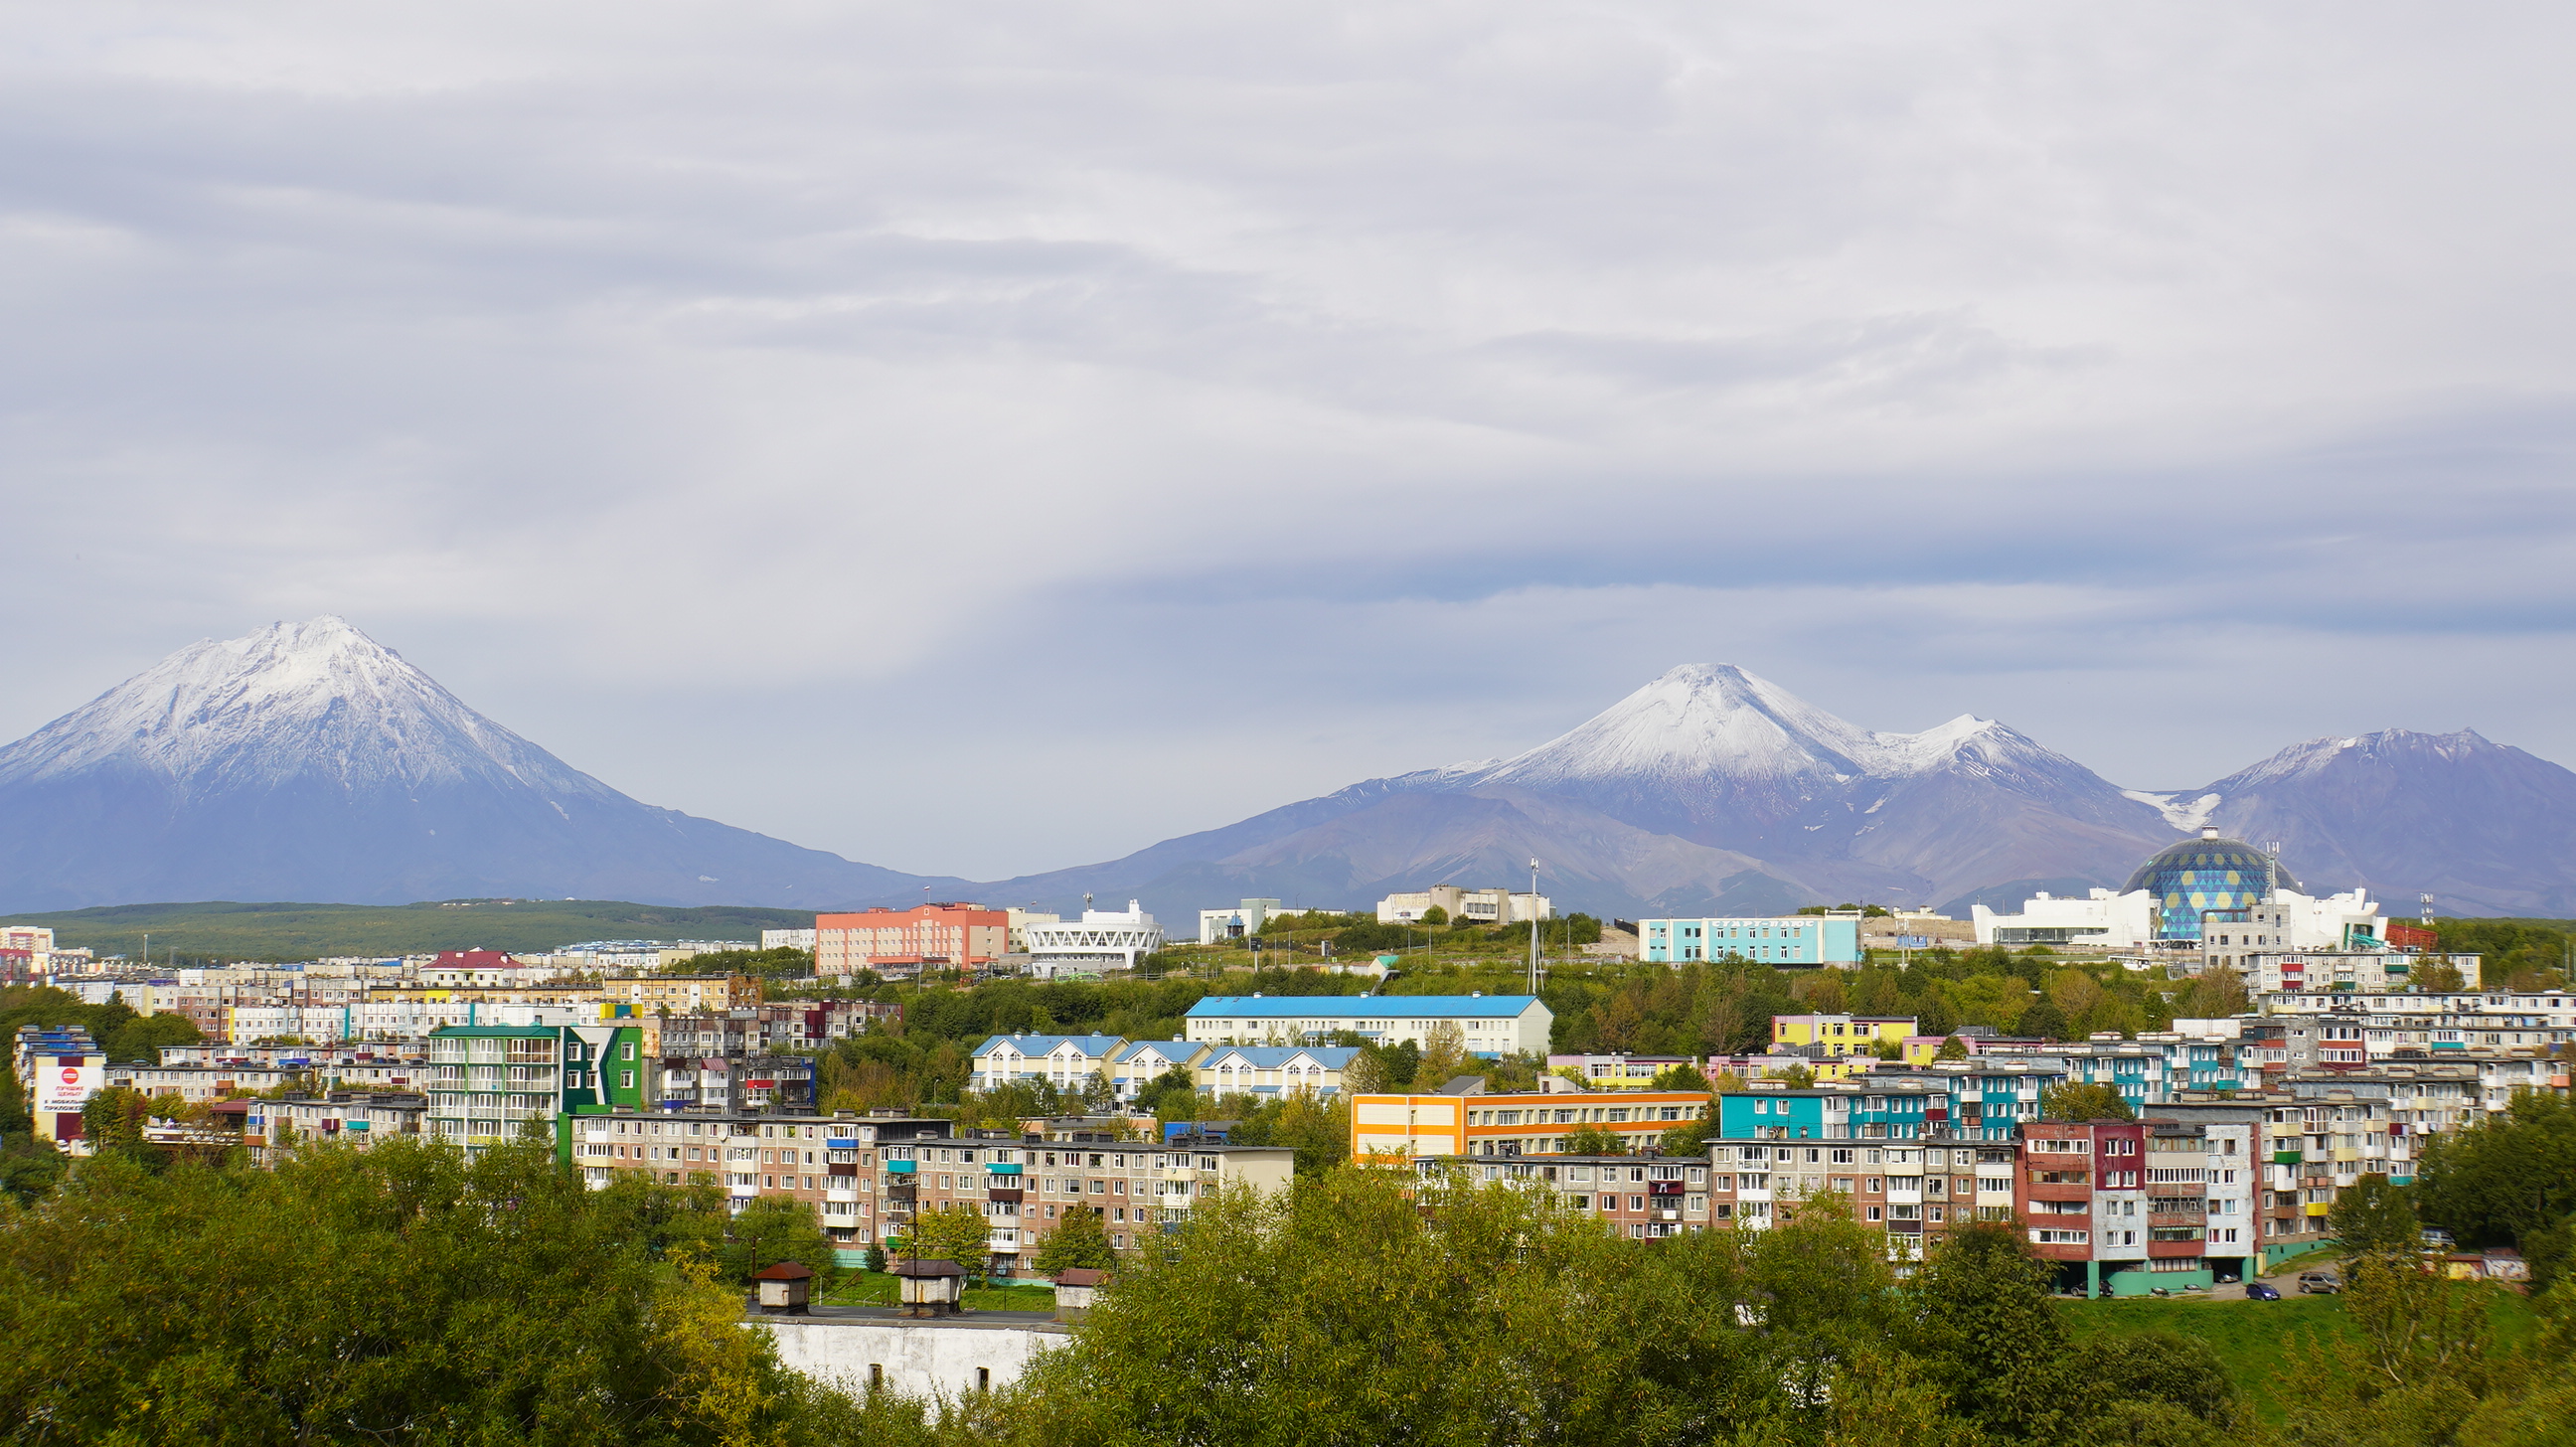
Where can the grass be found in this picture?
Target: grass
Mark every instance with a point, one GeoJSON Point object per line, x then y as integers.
{"type": "Point", "coordinates": [2255, 1338]}
{"type": "Point", "coordinates": [875, 1288]}
{"type": "Point", "coordinates": [220, 930]}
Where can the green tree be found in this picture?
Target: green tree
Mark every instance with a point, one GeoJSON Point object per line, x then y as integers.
{"type": "Point", "coordinates": [112, 1119]}
{"type": "Point", "coordinates": [2438, 977]}
{"type": "Point", "coordinates": [1078, 1240]}
{"type": "Point", "coordinates": [2044, 1020]}
{"type": "Point", "coordinates": [1953, 1048]}
{"type": "Point", "coordinates": [1983, 1324]}
{"type": "Point", "coordinates": [1444, 1056]}
{"type": "Point", "coordinates": [2414, 1371]}
{"type": "Point", "coordinates": [956, 1233]}
{"type": "Point", "coordinates": [1434, 917]}
{"type": "Point", "coordinates": [2079, 1100]}
{"type": "Point", "coordinates": [1684, 1076]}
{"type": "Point", "coordinates": [1797, 1077]}
{"type": "Point", "coordinates": [402, 1293]}
{"type": "Point", "coordinates": [2374, 1215]}
{"type": "Point", "coordinates": [1592, 1140]}
{"type": "Point", "coordinates": [771, 1229]}
{"type": "Point", "coordinates": [2506, 1180]}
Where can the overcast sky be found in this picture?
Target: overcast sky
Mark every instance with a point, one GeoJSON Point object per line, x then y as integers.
{"type": "Point", "coordinates": [987, 437]}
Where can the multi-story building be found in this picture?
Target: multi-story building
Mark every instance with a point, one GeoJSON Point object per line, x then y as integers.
{"type": "Point", "coordinates": [1067, 1062]}
{"type": "Point", "coordinates": [681, 994]}
{"type": "Point", "coordinates": [1787, 941]}
{"type": "Point", "coordinates": [1636, 1198]}
{"type": "Point", "coordinates": [356, 1118]}
{"type": "Point", "coordinates": [1103, 939]}
{"type": "Point", "coordinates": [1409, 1127]}
{"type": "Point", "coordinates": [867, 1178]}
{"type": "Point", "coordinates": [1243, 921]}
{"type": "Point", "coordinates": [787, 939]}
{"type": "Point", "coordinates": [58, 1071]}
{"type": "Point", "coordinates": [904, 942]}
{"type": "Point", "coordinates": [1137, 1065]}
{"type": "Point", "coordinates": [1842, 1034]}
{"type": "Point", "coordinates": [1264, 1070]}
{"type": "Point", "coordinates": [1612, 1070]}
{"type": "Point", "coordinates": [490, 1083]}
{"type": "Point", "coordinates": [220, 1081]}
{"type": "Point", "coordinates": [1492, 1024]}
{"type": "Point", "coordinates": [2362, 971]}
{"type": "Point", "coordinates": [1465, 906]}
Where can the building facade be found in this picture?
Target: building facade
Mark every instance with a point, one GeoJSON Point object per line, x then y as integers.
{"type": "Point", "coordinates": [1492, 1024]}
{"type": "Point", "coordinates": [892, 942]}
{"type": "Point", "coordinates": [1789, 942]}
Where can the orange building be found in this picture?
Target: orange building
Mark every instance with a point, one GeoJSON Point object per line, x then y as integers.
{"type": "Point", "coordinates": [1407, 1127]}
{"type": "Point", "coordinates": [931, 936]}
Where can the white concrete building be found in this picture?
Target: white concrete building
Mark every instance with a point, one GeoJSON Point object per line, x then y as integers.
{"type": "Point", "coordinates": [2107, 920]}
{"type": "Point", "coordinates": [787, 939]}
{"type": "Point", "coordinates": [1067, 1062]}
{"type": "Point", "coordinates": [1492, 1024]}
{"type": "Point", "coordinates": [1103, 939]}
{"type": "Point", "coordinates": [1467, 906]}
{"type": "Point", "coordinates": [1020, 920]}
{"type": "Point", "coordinates": [2367, 972]}
{"type": "Point", "coordinates": [1243, 921]}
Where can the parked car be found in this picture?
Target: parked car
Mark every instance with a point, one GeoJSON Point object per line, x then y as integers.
{"type": "Point", "coordinates": [2259, 1292]}
{"type": "Point", "coordinates": [2319, 1283]}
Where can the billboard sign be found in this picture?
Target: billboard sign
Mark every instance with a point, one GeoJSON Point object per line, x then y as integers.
{"type": "Point", "coordinates": [66, 1082]}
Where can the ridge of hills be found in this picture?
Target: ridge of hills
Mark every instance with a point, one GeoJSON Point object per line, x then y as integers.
{"type": "Point", "coordinates": [307, 761]}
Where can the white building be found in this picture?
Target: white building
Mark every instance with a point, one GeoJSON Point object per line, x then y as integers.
{"type": "Point", "coordinates": [1243, 921]}
{"type": "Point", "coordinates": [1103, 939]}
{"type": "Point", "coordinates": [787, 939]}
{"type": "Point", "coordinates": [1465, 906]}
{"type": "Point", "coordinates": [1067, 1062]}
{"type": "Point", "coordinates": [2367, 972]}
{"type": "Point", "coordinates": [1492, 1024]}
{"type": "Point", "coordinates": [1020, 920]}
{"type": "Point", "coordinates": [2106, 920]}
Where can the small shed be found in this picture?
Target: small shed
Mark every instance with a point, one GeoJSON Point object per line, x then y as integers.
{"type": "Point", "coordinates": [1075, 1289]}
{"type": "Point", "coordinates": [785, 1287]}
{"type": "Point", "coordinates": [930, 1288]}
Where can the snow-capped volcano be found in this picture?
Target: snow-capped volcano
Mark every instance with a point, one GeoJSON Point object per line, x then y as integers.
{"type": "Point", "coordinates": [1708, 787]}
{"type": "Point", "coordinates": [317, 700]}
{"type": "Point", "coordinates": [309, 762]}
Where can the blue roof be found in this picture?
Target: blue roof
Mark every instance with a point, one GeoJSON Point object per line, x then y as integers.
{"type": "Point", "coordinates": [1271, 1057]}
{"type": "Point", "coordinates": [1182, 1048]}
{"type": "Point", "coordinates": [1359, 1007]}
{"type": "Point", "coordinates": [1041, 1044]}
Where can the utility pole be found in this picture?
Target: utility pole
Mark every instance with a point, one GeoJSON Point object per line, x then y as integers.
{"type": "Point", "coordinates": [1533, 973]}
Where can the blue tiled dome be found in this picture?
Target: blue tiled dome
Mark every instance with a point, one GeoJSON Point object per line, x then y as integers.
{"type": "Point", "coordinates": [2200, 874]}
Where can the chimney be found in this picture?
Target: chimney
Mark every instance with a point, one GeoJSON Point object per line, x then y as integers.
{"type": "Point", "coordinates": [2208, 831]}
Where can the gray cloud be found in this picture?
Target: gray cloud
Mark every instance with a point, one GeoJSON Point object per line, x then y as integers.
{"type": "Point", "coordinates": [1126, 417]}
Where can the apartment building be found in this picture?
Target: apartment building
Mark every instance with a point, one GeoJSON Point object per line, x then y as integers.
{"type": "Point", "coordinates": [949, 936]}
{"type": "Point", "coordinates": [355, 1118]}
{"type": "Point", "coordinates": [195, 1083]}
{"type": "Point", "coordinates": [497, 1082]}
{"type": "Point", "coordinates": [57, 1072]}
{"type": "Point", "coordinates": [681, 994]}
{"type": "Point", "coordinates": [1642, 1199]}
{"type": "Point", "coordinates": [867, 1177]}
{"type": "Point", "coordinates": [1066, 1062]}
{"type": "Point", "coordinates": [2365, 971]}
{"type": "Point", "coordinates": [1139, 1064]}
{"type": "Point", "coordinates": [1266, 1070]}
{"type": "Point", "coordinates": [1842, 1034]}
{"type": "Point", "coordinates": [1412, 1127]}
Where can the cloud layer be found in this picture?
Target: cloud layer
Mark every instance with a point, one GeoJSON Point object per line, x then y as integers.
{"type": "Point", "coordinates": [978, 438]}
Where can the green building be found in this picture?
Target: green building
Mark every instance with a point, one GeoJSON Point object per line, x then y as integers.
{"type": "Point", "coordinates": [492, 1083]}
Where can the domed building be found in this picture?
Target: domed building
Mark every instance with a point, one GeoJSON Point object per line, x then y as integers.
{"type": "Point", "coordinates": [2183, 880]}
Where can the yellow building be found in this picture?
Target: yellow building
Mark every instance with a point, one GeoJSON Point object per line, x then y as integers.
{"type": "Point", "coordinates": [1403, 1127]}
{"type": "Point", "coordinates": [1842, 1034]}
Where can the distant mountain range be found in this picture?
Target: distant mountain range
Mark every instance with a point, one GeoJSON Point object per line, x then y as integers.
{"type": "Point", "coordinates": [308, 762]}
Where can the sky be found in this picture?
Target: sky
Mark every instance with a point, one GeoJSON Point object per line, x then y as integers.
{"type": "Point", "coordinates": [979, 439]}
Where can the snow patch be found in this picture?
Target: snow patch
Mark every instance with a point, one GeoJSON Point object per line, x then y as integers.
{"type": "Point", "coordinates": [2185, 815]}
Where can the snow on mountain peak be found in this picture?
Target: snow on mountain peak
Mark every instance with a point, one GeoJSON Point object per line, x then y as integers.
{"type": "Point", "coordinates": [1703, 719]}
{"type": "Point", "coordinates": [293, 699]}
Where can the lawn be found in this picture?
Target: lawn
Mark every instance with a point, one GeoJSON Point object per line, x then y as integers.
{"type": "Point", "coordinates": [2255, 1338]}
{"type": "Point", "coordinates": [874, 1288]}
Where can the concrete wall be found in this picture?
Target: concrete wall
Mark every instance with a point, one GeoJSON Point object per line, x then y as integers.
{"type": "Point", "coordinates": [917, 1357]}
